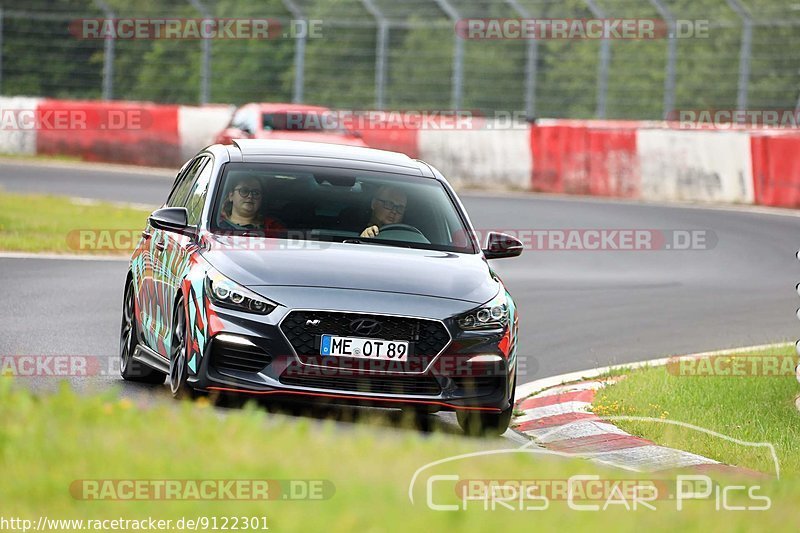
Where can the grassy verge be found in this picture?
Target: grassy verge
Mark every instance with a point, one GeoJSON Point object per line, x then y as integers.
{"type": "Point", "coordinates": [755, 408]}
{"type": "Point", "coordinates": [48, 442]}
{"type": "Point", "coordinates": [39, 157]}
{"type": "Point", "coordinates": [40, 223]}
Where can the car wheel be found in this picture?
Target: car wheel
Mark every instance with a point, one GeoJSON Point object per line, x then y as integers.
{"type": "Point", "coordinates": [130, 369]}
{"type": "Point", "coordinates": [486, 424]}
{"type": "Point", "coordinates": [421, 419]}
{"type": "Point", "coordinates": [178, 369]}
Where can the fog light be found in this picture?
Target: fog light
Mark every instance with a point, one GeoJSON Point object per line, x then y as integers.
{"type": "Point", "coordinates": [233, 339]}
{"type": "Point", "coordinates": [485, 358]}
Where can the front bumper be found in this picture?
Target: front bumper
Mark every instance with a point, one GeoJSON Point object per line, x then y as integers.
{"type": "Point", "coordinates": [250, 354]}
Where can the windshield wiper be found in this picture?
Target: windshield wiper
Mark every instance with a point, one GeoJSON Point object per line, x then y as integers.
{"type": "Point", "coordinates": [396, 244]}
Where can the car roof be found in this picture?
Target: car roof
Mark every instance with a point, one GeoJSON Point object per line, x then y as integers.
{"type": "Point", "coordinates": [327, 154]}
{"type": "Point", "coordinates": [272, 107]}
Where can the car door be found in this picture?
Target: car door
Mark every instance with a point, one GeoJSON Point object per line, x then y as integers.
{"type": "Point", "coordinates": [174, 257]}
{"type": "Point", "coordinates": [155, 323]}
{"type": "Point", "coordinates": [142, 271]}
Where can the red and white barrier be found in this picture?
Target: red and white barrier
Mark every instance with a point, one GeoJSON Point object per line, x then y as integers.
{"type": "Point", "coordinates": [776, 169]}
{"type": "Point", "coordinates": [484, 158]}
{"type": "Point", "coordinates": [197, 127]}
{"type": "Point", "coordinates": [629, 159]}
{"type": "Point", "coordinates": [15, 136]}
{"type": "Point", "coordinates": [121, 132]}
{"type": "Point", "coordinates": [695, 165]}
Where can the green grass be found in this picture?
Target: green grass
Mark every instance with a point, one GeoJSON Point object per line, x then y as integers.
{"type": "Point", "coordinates": [49, 441]}
{"type": "Point", "coordinates": [39, 223]}
{"type": "Point", "coordinates": [751, 408]}
{"type": "Point", "coordinates": [39, 157]}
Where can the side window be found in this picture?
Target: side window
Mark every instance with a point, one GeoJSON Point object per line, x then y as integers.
{"type": "Point", "coordinates": [197, 198]}
{"type": "Point", "coordinates": [181, 189]}
{"type": "Point", "coordinates": [245, 120]}
{"type": "Point", "coordinates": [239, 119]}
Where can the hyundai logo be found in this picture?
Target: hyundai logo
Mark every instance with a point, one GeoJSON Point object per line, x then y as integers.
{"type": "Point", "coordinates": [365, 326]}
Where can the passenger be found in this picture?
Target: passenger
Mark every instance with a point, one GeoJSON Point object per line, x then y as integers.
{"type": "Point", "coordinates": [242, 207]}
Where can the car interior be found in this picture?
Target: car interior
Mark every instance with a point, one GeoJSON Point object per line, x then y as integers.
{"type": "Point", "coordinates": [335, 207]}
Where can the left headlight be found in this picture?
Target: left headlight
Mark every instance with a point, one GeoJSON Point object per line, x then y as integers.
{"type": "Point", "coordinates": [492, 314]}
{"type": "Point", "coordinates": [226, 293]}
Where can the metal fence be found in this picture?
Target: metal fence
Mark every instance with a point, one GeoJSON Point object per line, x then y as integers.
{"type": "Point", "coordinates": [407, 54]}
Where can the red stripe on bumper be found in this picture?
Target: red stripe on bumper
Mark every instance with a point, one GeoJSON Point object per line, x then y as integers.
{"type": "Point", "coordinates": [351, 397]}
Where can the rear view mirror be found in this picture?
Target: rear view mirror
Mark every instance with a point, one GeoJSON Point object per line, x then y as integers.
{"type": "Point", "coordinates": [500, 245]}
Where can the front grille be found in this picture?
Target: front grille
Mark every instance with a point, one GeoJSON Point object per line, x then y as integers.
{"type": "Point", "coordinates": [234, 357]}
{"type": "Point", "coordinates": [427, 337]}
{"type": "Point", "coordinates": [326, 379]}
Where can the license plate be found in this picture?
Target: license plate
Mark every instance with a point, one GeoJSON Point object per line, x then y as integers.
{"type": "Point", "coordinates": [363, 348]}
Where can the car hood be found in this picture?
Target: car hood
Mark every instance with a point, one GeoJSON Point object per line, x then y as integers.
{"type": "Point", "coordinates": [256, 262]}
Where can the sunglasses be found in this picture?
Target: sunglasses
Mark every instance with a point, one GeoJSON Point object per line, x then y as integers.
{"type": "Point", "coordinates": [391, 206]}
{"type": "Point", "coordinates": [244, 193]}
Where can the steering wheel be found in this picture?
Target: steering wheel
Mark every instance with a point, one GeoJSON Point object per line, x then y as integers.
{"type": "Point", "coordinates": [403, 227]}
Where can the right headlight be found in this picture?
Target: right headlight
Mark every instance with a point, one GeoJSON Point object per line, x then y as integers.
{"type": "Point", "coordinates": [491, 315]}
{"type": "Point", "coordinates": [227, 293]}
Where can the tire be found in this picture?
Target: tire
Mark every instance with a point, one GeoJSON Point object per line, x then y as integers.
{"type": "Point", "coordinates": [420, 419]}
{"type": "Point", "coordinates": [130, 369]}
{"type": "Point", "coordinates": [178, 367]}
{"type": "Point", "coordinates": [486, 424]}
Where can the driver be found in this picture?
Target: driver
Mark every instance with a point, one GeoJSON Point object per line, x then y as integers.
{"type": "Point", "coordinates": [241, 208]}
{"type": "Point", "coordinates": [388, 207]}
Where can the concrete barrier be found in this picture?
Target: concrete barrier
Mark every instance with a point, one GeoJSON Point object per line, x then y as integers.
{"type": "Point", "coordinates": [481, 157]}
{"type": "Point", "coordinates": [198, 126]}
{"type": "Point", "coordinates": [18, 130]}
{"type": "Point", "coordinates": [695, 165]}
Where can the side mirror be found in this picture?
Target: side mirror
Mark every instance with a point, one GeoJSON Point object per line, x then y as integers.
{"type": "Point", "coordinates": [174, 219]}
{"type": "Point", "coordinates": [499, 245]}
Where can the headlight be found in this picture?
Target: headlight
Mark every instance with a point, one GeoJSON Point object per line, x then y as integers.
{"type": "Point", "coordinates": [493, 314]}
{"type": "Point", "coordinates": [226, 293]}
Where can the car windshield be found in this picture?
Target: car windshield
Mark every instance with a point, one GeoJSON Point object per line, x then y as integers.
{"type": "Point", "coordinates": [319, 121]}
{"type": "Point", "coordinates": [333, 204]}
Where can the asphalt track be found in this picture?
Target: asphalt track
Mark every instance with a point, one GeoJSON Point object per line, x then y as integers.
{"type": "Point", "coordinates": [579, 309]}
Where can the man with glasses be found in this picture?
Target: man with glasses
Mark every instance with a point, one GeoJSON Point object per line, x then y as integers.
{"type": "Point", "coordinates": [241, 208]}
{"type": "Point", "coordinates": [388, 207]}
